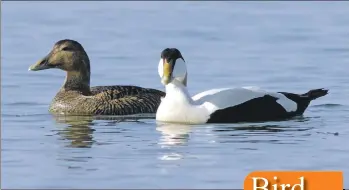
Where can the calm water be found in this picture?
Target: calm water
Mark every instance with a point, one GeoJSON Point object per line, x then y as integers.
{"type": "Point", "coordinates": [282, 46]}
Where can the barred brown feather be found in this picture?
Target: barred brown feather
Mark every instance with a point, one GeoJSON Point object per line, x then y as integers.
{"type": "Point", "coordinates": [108, 100]}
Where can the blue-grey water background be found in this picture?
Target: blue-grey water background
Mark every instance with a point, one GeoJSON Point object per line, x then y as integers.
{"type": "Point", "coordinates": [279, 46]}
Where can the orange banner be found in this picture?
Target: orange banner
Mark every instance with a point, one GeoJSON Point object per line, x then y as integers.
{"type": "Point", "coordinates": [294, 180]}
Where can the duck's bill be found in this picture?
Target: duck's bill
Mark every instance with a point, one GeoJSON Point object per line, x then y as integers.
{"type": "Point", "coordinates": [167, 72]}
{"type": "Point", "coordinates": [40, 65]}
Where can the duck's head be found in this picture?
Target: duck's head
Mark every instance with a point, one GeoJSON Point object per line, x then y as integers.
{"type": "Point", "coordinates": [172, 67]}
{"type": "Point", "coordinates": [68, 55]}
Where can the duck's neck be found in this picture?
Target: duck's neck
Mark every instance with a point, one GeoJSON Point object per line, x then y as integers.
{"type": "Point", "coordinates": [77, 81]}
{"type": "Point", "coordinates": [178, 91]}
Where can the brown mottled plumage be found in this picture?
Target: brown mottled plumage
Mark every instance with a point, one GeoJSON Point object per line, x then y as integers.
{"type": "Point", "coordinates": [77, 98]}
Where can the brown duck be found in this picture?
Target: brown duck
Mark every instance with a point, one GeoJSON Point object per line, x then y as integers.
{"type": "Point", "coordinates": [76, 97]}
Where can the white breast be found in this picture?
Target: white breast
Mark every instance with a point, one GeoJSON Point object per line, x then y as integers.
{"type": "Point", "coordinates": [177, 107]}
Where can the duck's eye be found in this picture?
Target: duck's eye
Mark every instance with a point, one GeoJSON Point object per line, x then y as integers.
{"type": "Point", "coordinates": [67, 49]}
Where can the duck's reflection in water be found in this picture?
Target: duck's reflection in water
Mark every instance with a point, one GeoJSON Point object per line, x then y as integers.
{"type": "Point", "coordinates": [173, 134]}
{"type": "Point", "coordinates": [278, 132]}
{"type": "Point", "coordinates": [264, 132]}
{"type": "Point", "coordinates": [267, 127]}
{"type": "Point", "coordinates": [79, 130]}
{"type": "Point", "coordinates": [172, 137]}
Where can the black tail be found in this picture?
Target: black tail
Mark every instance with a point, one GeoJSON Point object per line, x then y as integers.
{"type": "Point", "coordinates": [303, 100]}
{"type": "Point", "coordinates": [316, 93]}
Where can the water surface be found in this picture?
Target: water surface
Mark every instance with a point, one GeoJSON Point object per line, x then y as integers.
{"type": "Point", "coordinates": [281, 46]}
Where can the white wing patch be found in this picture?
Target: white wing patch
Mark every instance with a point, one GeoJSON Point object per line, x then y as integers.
{"type": "Point", "coordinates": [227, 97]}
{"type": "Point", "coordinates": [288, 104]}
{"type": "Point", "coordinates": [198, 97]}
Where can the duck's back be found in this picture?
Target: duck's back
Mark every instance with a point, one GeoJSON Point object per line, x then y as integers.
{"type": "Point", "coordinates": [119, 91]}
{"type": "Point", "coordinates": [108, 100]}
{"type": "Point", "coordinates": [217, 99]}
